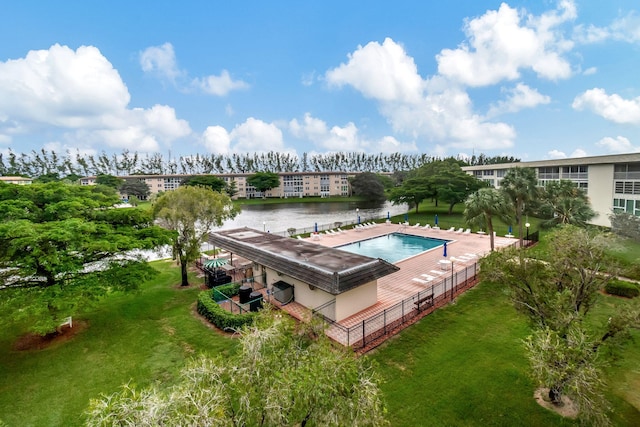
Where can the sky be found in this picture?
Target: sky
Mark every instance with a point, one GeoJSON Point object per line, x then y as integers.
{"type": "Point", "coordinates": [531, 79]}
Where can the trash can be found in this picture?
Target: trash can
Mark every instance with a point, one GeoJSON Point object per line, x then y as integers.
{"type": "Point", "coordinates": [244, 294]}
{"type": "Point", "coordinates": [255, 299]}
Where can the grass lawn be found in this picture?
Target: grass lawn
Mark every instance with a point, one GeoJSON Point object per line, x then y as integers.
{"type": "Point", "coordinates": [142, 337]}
{"type": "Point", "coordinates": [463, 365]}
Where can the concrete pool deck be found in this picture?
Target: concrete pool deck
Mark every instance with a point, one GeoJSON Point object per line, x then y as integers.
{"type": "Point", "coordinates": [398, 286]}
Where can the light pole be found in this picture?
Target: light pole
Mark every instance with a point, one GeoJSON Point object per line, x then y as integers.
{"type": "Point", "coordinates": [264, 225]}
{"type": "Point", "coordinates": [452, 279]}
{"type": "Point", "coordinates": [358, 215]}
{"type": "Point", "coordinates": [527, 225]}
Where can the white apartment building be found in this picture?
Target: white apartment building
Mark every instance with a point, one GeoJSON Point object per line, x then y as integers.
{"type": "Point", "coordinates": [292, 184]}
{"type": "Point", "coordinates": [612, 182]}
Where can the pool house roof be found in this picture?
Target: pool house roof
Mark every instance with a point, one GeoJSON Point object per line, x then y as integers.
{"type": "Point", "coordinates": [329, 269]}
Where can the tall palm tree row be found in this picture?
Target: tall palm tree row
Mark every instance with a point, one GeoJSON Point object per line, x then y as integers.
{"type": "Point", "coordinates": [486, 204]}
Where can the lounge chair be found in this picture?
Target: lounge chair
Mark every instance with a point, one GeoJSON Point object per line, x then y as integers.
{"type": "Point", "coordinates": [416, 225]}
{"type": "Point", "coordinates": [437, 272]}
{"type": "Point", "coordinates": [299, 238]}
{"type": "Point", "coordinates": [467, 231]}
{"type": "Point", "coordinates": [427, 277]}
{"type": "Point", "coordinates": [427, 226]}
{"type": "Point", "coordinates": [422, 281]}
{"type": "Point", "coordinates": [452, 229]}
{"type": "Point", "coordinates": [459, 231]}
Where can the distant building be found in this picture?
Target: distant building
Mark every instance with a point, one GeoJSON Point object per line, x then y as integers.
{"type": "Point", "coordinates": [612, 182]}
{"type": "Point", "coordinates": [19, 180]}
{"type": "Point", "coordinates": [292, 184]}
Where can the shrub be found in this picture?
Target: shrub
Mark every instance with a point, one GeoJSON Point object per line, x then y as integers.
{"type": "Point", "coordinates": [622, 288]}
{"type": "Point", "coordinates": [220, 317]}
{"type": "Point", "coordinates": [229, 290]}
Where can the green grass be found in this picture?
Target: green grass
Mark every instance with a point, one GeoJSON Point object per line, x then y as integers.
{"type": "Point", "coordinates": [143, 337]}
{"type": "Point", "coordinates": [463, 365]}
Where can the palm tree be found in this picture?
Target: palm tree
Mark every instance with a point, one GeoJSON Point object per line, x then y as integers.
{"type": "Point", "coordinates": [520, 184]}
{"type": "Point", "coordinates": [485, 204]}
{"type": "Point", "coordinates": [564, 203]}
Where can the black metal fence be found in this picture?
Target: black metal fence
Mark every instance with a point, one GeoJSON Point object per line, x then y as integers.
{"type": "Point", "coordinates": [372, 329]}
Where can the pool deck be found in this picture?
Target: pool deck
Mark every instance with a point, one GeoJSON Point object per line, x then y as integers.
{"type": "Point", "coordinates": [400, 285]}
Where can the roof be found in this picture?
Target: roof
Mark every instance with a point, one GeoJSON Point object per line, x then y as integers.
{"type": "Point", "coordinates": [575, 161]}
{"type": "Point", "coordinates": [333, 270]}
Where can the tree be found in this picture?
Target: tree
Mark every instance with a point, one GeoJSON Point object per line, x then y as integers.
{"type": "Point", "coordinates": [453, 185]}
{"type": "Point", "coordinates": [208, 181]}
{"type": "Point", "coordinates": [556, 294]}
{"type": "Point", "coordinates": [232, 188]}
{"type": "Point", "coordinates": [412, 192]}
{"type": "Point", "coordinates": [135, 187]}
{"type": "Point", "coordinates": [264, 181]}
{"type": "Point", "coordinates": [109, 180]}
{"type": "Point", "coordinates": [283, 376]}
{"type": "Point", "coordinates": [368, 185]}
{"type": "Point", "coordinates": [191, 212]}
{"type": "Point", "coordinates": [626, 225]}
{"type": "Point", "coordinates": [562, 202]}
{"type": "Point", "coordinates": [520, 184]}
{"type": "Point", "coordinates": [485, 204]}
{"type": "Point", "coordinates": [62, 248]}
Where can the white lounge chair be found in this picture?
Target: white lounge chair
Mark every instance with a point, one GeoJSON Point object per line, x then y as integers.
{"type": "Point", "coordinates": [427, 277]}
{"type": "Point", "coordinates": [422, 281]}
{"type": "Point", "coordinates": [299, 238]}
{"type": "Point", "coordinates": [439, 273]}
{"type": "Point", "coordinates": [467, 231]}
{"type": "Point", "coordinates": [427, 226]}
{"type": "Point", "coordinates": [416, 225]}
{"type": "Point", "coordinates": [452, 229]}
{"type": "Point", "coordinates": [459, 230]}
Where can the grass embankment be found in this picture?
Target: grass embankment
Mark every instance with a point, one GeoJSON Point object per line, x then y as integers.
{"type": "Point", "coordinates": [463, 365]}
{"type": "Point", "coordinates": [143, 337]}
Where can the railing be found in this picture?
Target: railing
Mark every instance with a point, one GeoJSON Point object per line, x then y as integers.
{"type": "Point", "coordinates": [371, 330]}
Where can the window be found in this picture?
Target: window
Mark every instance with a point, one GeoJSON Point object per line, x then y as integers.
{"type": "Point", "coordinates": [487, 173]}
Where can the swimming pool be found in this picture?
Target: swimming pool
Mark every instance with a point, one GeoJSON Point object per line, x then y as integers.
{"type": "Point", "coordinates": [393, 247]}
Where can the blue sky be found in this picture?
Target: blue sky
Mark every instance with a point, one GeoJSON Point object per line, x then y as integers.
{"type": "Point", "coordinates": [530, 79]}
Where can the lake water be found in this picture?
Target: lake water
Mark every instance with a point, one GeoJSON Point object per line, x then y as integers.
{"type": "Point", "coordinates": [277, 218]}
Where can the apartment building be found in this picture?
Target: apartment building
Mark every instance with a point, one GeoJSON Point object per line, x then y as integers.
{"type": "Point", "coordinates": [292, 184]}
{"type": "Point", "coordinates": [612, 182]}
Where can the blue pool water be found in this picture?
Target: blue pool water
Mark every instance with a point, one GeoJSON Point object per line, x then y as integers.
{"type": "Point", "coordinates": [393, 247]}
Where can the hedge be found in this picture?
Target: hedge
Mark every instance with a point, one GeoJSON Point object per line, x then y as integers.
{"type": "Point", "coordinates": [220, 317]}
{"type": "Point", "coordinates": [622, 288]}
{"type": "Point", "coordinates": [230, 290]}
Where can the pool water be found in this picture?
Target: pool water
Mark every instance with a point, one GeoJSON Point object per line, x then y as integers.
{"type": "Point", "coordinates": [393, 247]}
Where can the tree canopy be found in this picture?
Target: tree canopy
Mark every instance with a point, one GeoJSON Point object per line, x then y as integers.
{"type": "Point", "coordinates": [368, 185]}
{"type": "Point", "coordinates": [557, 294]}
{"type": "Point", "coordinates": [208, 181]}
{"type": "Point", "coordinates": [521, 185]}
{"type": "Point", "coordinates": [484, 205]}
{"type": "Point", "coordinates": [562, 202]}
{"type": "Point", "coordinates": [283, 376]}
{"type": "Point", "coordinates": [191, 212]}
{"type": "Point", "coordinates": [135, 187]}
{"type": "Point", "coordinates": [109, 180]}
{"type": "Point", "coordinates": [264, 181]}
{"type": "Point", "coordinates": [58, 245]}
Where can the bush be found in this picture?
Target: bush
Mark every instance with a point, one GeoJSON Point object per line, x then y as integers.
{"type": "Point", "coordinates": [623, 289]}
{"type": "Point", "coordinates": [220, 317]}
{"type": "Point", "coordinates": [229, 290]}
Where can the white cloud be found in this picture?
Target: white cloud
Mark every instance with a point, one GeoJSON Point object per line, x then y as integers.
{"type": "Point", "coordinates": [80, 93]}
{"type": "Point", "coordinates": [518, 98]}
{"type": "Point", "coordinates": [579, 152]}
{"type": "Point", "coordinates": [557, 154]}
{"type": "Point", "coordinates": [345, 138]}
{"type": "Point", "coordinates": [590, 71]}
{"type": "Point", "coordinates": [611, 107]}
{"type": "Point", "coordinates": [619, 144]}
{"type": "Point", "coordinates": [383, 72]}
{"type": "Point", "coordinates": [432, 110]}
{"type": "Point", "coordinates": [160, 60]}
{"type": "Point", "coordinates": [257, 136]}
{"type": "Point", "coordinates": [219, 85]}
{"type": "Point", "coordinates": [500, 45]}
{"type": "Point", "coordinates": [625, 29]}
{"type": "Point", "coordinates": [217, 140]}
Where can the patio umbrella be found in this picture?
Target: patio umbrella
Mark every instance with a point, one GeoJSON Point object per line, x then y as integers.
{"type": "Point", "coordinates": [388, 215]}
{"type": "Point", "coordinates": [445, 250]}
{"type": "Point", "coordinates": [215, 263]}
{"type": "Point", "coordinates": [406, 217]}
{"type": "Point", "coordinates": [316, 227]}
{"type": "Point", "coordinates": [510, 229]}
{"type": "Point", "coordinates": [436, 219]}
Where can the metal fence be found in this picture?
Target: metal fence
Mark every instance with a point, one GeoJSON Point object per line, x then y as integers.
{"type": "Point", "coordinates": [378, 326]}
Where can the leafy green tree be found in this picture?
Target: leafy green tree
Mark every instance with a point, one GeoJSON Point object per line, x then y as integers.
{"type": "Point", "coordinates": [208, 181]}
{"type": "Point", "coordinates": [562, 202]}
{"type": "Point", "coordinates": [557, 293]}
{"type": "Point", "coordinates": [623, 224]}
{"type": "Point", "coordinates": [282, 377]}
{"type": "Point", "coordinates": [367, 185]}
{"type": "Point", "coordinates": [264, 181]}
{"type": "Point", "coordinates": [60, 244]}
{"type": "Point", "coordinates": [412, 192]}
{"type": "Point", "coordinates": [521, 184]}
{"type": "Point", "coordinates": [191, 212]}
{"type": "Point", "coordinates": [232, 188]}
{"type": "Point", "coordinates": [47, 177]}
{"type": "Point", "coordinates": [135, 187]}
{"type": "Point", "coordinates": [109, 180]}
{"type": "Point", "coordinates": [483, 206]}
{"type": "Point", "coordinates": [453, 185]}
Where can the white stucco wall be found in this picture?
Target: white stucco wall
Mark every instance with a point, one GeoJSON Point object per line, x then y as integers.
{"type": "Point", "coordinates": [302, 293]}
{"type": "Point", "coordinates": [600, 192]}
{"type": "Point", "coordinates": [355, 300]}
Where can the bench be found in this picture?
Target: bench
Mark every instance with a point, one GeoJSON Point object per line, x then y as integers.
{"type": "Point", "coordinates": [427, 301]}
